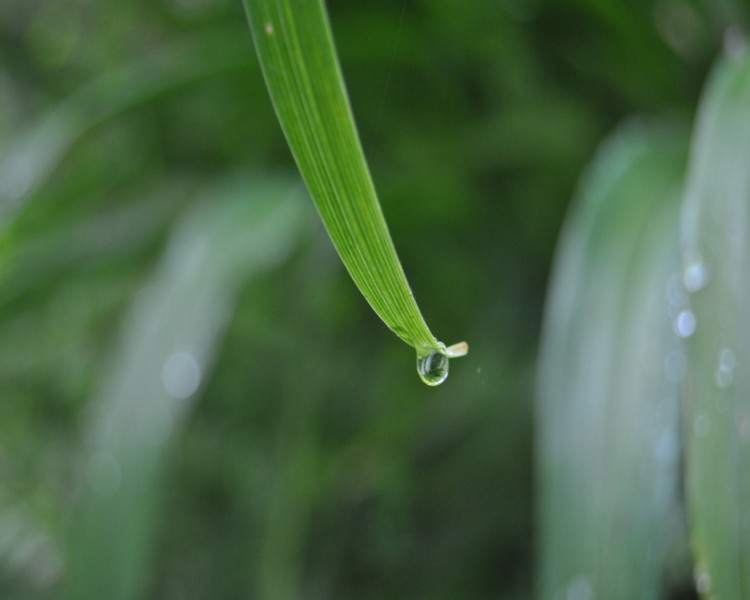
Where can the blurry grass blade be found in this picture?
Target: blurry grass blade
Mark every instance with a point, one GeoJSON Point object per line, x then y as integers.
{"type": "Point", "coordinates": [29, 158]}
{"type": "Point", "coordinates": [716, 264]}
{"type": "Point", "coordinates": [166, 350]}
{"type": "Point", "coordinates": [608, 443]}
{"type": "Point", "coordinates": [38, 261]}
{"type": "Point", "coordinates": [298, 58]}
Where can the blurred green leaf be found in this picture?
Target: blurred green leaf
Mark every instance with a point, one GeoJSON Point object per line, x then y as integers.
{"type": "Point", "coordinates": [165, 354]}
{"type": "Point", "coordinates": [607, 403]}
{"type": "Point", "coordinates": [296, 51]}
{"type": "Point", "coordinates": [29, 158]}
{"type": "Point", "coordinates": [716, 259]}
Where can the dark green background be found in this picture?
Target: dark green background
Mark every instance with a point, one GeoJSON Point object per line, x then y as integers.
{"type": "Point", "coordinates": [477, 119]}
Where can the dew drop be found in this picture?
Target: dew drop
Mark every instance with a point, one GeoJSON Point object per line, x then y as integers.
{"type": "Point", "coordinates": [702, 580]}
{"type": "Point", "coordinates": [268, 28]}
{"type": "Point", "coordinates": [181, 375]}
{"type": "Point", "coordinates": [685, 323]}
{"type": "Point", "coordinates": [701, 425]}
{"type": "Point", "coordinates": [724, 375]}
{"type": "Point", "coordinates": [579, 588]}
{"type": "Point", "coordinates": [432, 367]}
{"type": "Point", "coordinates": [695, 275]}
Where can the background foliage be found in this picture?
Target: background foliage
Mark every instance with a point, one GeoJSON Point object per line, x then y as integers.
{"type": "Point", "coordinates": [316, 463]}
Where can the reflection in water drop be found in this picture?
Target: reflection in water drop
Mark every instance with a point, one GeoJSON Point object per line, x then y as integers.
{"type": "Point", "coordinates": [432, 367]}
{"type": "Point", "coordinates": [579, 589]}
{"type": "Point", "coordinates": [702, 580]}
{"type": "Point", "coordinates": [685, 323]}
{"type": "Point", "coordinates": [180, 375]}
{"type": "Point", "coordinates": [104, 474]}
{"type": "Point", "coordinates": [695, 275]}
{"type": "Point", "coordinates": [432, 364]}
{"type": "Point", "coordinates": [724, 375]}
{"type": "Point", "coordinates": [701, 425]}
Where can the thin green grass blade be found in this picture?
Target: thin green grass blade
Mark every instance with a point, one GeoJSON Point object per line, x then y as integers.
{"type": "Point", "coordinates": [165, 352]}
{"type": "Point", "coordinates": [716, 265]}
{"type": "Point", "coordinates": [296, 51]}
{"type": "Point", "coordinates": [607, 413]}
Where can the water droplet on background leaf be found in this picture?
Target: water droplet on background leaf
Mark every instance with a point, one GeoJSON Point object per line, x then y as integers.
{"type": "Point", "coordinates": [181, 375]}
{"type": "Point", "coordinates": [724, 375]}
{"type": "Point", "coordinates": [695, 275]}
{"type": "Point", "coordinates": [702, 580]}
{"type": "Point", "coordinates": [685, 323]}
{"type": "Point", "coordinates": [702, 425]}
{"type": "Point", "coordinates": [580, 588]}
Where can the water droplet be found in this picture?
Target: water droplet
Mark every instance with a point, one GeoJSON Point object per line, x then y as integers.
{"type": "Point", "coordinates": [433, 366]}
{"type": "Point", "coordinates": [180, 375]}
{"type": "Point", "coordinates": [701, 425]}
{"type": "Point", "coordinates": [695, 275]}
{"type": "Point", "coordinates": [104, 474]}
{"type": "Point", "coordinates": [724, 375]}
{"type": "Point", "coordinates": [702, 580]}
{"type": "Point", "coordinates": [268, 28]}
{"type": "Point", "coordinates": [685, 323]}
{"type": "Point", "coordinates": [723, 379]}
{"type": "Point", "coordinates": [579, 588]}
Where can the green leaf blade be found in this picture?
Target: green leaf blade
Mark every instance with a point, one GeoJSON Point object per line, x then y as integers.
{"type": "Point", "coordinates": [297, 54]}
{"type": "Point", "coordinates": [608, 429]}
{"type": "Point", "coordinates": [716, 263]}
{"type": "Point", "coordinates": [166, 350]}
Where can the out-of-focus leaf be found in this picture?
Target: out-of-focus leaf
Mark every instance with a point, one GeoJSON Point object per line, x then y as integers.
{"type": "Point", "coordinates": [298, 58]}
{"type": "Point", "coordinates": [607, 406]}
{"type": "Point", "coordinates": [716, 266]}
{"type": "Point", "coordinates": [164, 355]}
{"type": "Point", "coordinates": [29, 158]}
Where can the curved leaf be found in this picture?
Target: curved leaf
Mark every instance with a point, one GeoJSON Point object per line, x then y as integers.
{"type": "Point", "coordinates": [607, 413]}
{"type": "Point", "coordinates": [716, 264]}
{"type": "Point", "coordinates": [296, 51]}
{"type": "Point", "coordinates": [166, 349]}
